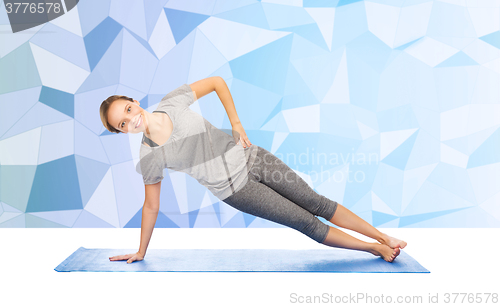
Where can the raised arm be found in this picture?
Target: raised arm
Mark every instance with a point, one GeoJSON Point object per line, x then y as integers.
{"type": "Point", "coordinates": [205, 86]}
{"type": "Point", "coordinates": [150, 211]}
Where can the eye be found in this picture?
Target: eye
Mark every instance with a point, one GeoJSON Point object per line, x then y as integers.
{"type": "Point", "coordinates": [124, 122]}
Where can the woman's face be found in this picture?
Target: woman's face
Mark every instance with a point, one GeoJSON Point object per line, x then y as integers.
{"type": "Point", "coordinates": [126, 116]}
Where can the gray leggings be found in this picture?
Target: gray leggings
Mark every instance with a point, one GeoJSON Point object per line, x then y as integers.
{"type": "Point", "coordinates": [276, 193]}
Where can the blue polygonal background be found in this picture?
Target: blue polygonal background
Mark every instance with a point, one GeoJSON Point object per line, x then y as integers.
{"type": "Point", "coordinates": [390, 107]}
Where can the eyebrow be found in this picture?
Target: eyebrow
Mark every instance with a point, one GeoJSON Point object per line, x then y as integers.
{"type": "Point", "coordinates": [123, 111]}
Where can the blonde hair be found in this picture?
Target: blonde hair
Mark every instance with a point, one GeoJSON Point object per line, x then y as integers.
{"type": "Point", "coordinates": [103, 111]}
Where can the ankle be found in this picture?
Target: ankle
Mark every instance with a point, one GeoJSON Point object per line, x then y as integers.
{"type": "Point", "coordinates": [382, 238]}
{"type": "Point", "coordinates": [373, 248]}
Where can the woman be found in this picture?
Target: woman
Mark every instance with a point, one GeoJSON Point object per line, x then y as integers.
{"type": "Point", "coordinates": [236, 171]}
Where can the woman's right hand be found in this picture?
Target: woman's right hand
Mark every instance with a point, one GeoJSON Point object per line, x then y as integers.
{"type": "Point", "coordinates": [129, 257]}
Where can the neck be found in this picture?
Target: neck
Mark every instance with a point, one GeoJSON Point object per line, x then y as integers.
{"type": "Point", "coordinates": [152, 123]}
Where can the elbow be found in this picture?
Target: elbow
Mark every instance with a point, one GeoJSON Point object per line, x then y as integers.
{"type": "Point", "coordinates": [219, 81]}
{"type": "Point", "coordinates": [152, 207]}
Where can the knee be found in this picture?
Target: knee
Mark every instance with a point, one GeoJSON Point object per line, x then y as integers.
{"type": "Point", "coordinates": [314, 228]}
{"type": "Point", "coordinates": [326, 208]}
{"type": "Point", "coordinates": [335, 208]}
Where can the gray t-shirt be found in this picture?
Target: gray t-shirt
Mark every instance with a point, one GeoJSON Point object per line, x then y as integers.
{"type": "Point", "coordinates": [196, 148]}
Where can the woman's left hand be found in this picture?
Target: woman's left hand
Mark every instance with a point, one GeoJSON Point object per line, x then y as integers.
{"type": "Point", "coordinates": [243, 136]}
{"type": "Point", "coordinates": [129, 257]}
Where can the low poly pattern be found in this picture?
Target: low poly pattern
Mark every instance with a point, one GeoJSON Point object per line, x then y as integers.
{"type": "Point", "coordinates": [390, 108]}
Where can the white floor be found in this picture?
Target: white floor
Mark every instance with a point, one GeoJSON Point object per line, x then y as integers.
{"type": "Point", "coordinates": [460, 261]}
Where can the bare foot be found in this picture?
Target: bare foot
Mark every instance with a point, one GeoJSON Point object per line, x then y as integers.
{"type": "Point", "coordinates": [392, 242]}
{"type": "Point", "coordinates": [389, 254]}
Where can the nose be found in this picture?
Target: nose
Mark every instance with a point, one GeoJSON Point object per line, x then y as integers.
{"type": "Point", "coordinates": [133, 120]}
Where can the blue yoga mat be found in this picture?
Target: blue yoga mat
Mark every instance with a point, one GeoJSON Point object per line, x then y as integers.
{"type": "Point", "coordinates": [239, 260]}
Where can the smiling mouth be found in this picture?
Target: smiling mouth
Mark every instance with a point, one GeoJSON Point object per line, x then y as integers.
{"type": "Point", "coordinates": [139, 122]}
